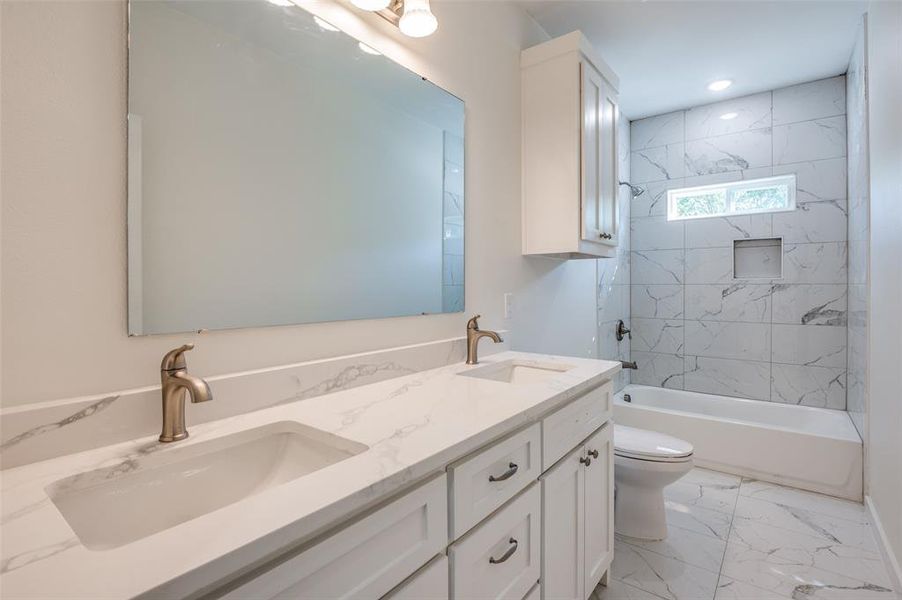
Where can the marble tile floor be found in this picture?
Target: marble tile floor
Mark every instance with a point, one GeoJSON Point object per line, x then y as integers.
{"type": "Point", "coordinates": [740, 539]}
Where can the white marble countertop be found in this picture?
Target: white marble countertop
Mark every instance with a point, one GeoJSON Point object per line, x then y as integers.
{"type": "Point", "coordinates": [413, 425]}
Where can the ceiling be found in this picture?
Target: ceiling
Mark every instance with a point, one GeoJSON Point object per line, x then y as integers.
{"type": "Point", "coordinates": [666, 52]}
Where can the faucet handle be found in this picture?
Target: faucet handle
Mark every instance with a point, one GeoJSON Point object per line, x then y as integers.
{"type": "Point", "coordinates": [472, 324]}
{"type": "Point", "coordinates": [174, 360]}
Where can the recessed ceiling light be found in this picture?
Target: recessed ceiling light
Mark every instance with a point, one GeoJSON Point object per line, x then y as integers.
{"type": "Point", "coordinates": [729, 116]}
{"type": "Point", "coordinates": [324, 25]}
{"type": "Point", "coordinates": [368, 49]}
{"type": "Point", "coordinates": [720, 85]}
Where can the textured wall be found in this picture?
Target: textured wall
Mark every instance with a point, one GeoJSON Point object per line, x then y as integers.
{"type": "Point", "coordinates": [697, 328]}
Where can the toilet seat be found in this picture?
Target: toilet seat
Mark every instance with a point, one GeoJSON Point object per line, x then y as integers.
{"type": "Point", "coordinates": [641, 444]}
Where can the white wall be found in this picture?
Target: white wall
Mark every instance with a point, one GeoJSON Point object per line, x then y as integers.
{"type": "Point", "coordinates": [885, 373]}
{"type": "Point", "coordinates": [63, 187]}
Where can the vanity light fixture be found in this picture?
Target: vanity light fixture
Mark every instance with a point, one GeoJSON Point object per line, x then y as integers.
{"type": "Point", "coordinates": [372, 5]}
{"type": "Point", "coordinates": [368, 49]}
{"type": "Point", "coordinates": [417, 20]}
{"type": "Point", "coordinates": [413, 17]}
{"type": "Point", "coordinates": [729, 116]}
{"type": "Point", "coordinates": [720, 85]}
{"type": "Point", "coordinates": [324, 25]}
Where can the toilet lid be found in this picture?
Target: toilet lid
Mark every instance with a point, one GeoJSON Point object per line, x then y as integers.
{"type": "Point", "coordinates": [648, 445]}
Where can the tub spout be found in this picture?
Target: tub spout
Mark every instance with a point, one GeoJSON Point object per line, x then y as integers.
{"type": "Point", "coordinates": [629, 364]}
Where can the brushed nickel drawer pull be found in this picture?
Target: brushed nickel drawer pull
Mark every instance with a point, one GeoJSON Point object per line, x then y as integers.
{"type": "Point", "coordinates": [511, 469]}
{"type": "Point", "coordinates": [506, 555]}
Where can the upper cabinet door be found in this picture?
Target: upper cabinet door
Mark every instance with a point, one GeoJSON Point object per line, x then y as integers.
{"type": "Point", "coordinates": [599, 157]}
{"type": "Point", "coordinates": [592, 88]}
{"type": "Point", "coordinates": [610, 177]}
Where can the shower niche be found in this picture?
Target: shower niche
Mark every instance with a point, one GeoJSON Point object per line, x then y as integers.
{"type": "Point", "coordinates": [760, 258]}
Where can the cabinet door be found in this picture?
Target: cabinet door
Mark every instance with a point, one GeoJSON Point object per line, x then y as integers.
{"type": "Point", "coordinates": [592, 110]}
{"type": "Point", "coordinates": [599, 157]}
{"type": "Point", "coordinates": [563, 558]}
{"type": "Point", "coordinates": [599, 505]}
{"type": "Point", "coordinates": [610, 178]}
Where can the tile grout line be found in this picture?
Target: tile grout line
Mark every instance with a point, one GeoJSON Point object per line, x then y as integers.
{"type": "Point", "coordinates": [729, 535]}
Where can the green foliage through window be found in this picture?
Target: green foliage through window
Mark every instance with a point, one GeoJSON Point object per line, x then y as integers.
{"type": "Point", "coordinates": [735, 198]}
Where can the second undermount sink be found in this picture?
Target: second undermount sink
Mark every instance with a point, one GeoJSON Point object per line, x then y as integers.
{"type": "Point", "coordinates": [518, 371]}
{"type": "Point", "coordinates": [116, 505]}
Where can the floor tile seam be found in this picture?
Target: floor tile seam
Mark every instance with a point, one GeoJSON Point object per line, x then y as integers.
{"type": "Point", "coordinates": [729, 535]}
{"type": "Point", "coordinates": [683, 562]}
{"type": "Point", "coordinates": [864, 523]}
{"type": "Point", "coordinates": [794, 532]}
{"type": "Point", "coordinates": [635, 587]}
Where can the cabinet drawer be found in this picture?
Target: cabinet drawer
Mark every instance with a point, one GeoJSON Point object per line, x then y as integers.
{"type": "Point", "coordinates": [567, 427]}
{"type": "Point", "coordinates": [485, 481]}
{"type": "Point", "coordinates": [366, 559]}
{"type": "Point", "coordinates": [501, 557]}
{"type": "Point", "coordinates": [429, 583]}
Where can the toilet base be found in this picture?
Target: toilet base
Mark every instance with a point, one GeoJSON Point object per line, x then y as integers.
{"type": "Point", "coordinates": [639, 496]}
{"type": "Point", "coordinates": [639, 513]}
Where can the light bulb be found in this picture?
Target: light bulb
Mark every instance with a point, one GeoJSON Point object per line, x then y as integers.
{"type": "Point", "coordinates": [371, 4]}
{"type": "Point", "coordinates": [729, 116]}
{"type": "Point", "coordinates": [720, 85]}
{"type": "Point", "coordinates": [417, 20]}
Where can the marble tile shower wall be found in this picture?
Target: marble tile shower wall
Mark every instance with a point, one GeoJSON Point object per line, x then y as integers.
{"type": "Point", "coordinates": [697, 328]}
{"type": "Point", "coordinates": [613, 274]}
{"type": "Point", "coordinates": [859, 233]}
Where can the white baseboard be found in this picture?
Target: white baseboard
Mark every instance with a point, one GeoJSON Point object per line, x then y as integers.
{"type": "Point", "coordinates": [889, 557]}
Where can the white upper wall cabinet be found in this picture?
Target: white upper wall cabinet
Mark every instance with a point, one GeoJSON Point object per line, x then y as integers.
{"type": "Point", "coordinates": [570, 179]}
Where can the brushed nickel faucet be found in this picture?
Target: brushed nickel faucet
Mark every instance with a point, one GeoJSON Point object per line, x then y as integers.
{"type": "Point", "coordinates": [176, 385]}
{"type": "Point", "coordinates": [473, 336]}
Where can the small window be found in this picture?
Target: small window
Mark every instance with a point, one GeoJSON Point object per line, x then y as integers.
{"type": "Point", "coordinates": [771, 194]}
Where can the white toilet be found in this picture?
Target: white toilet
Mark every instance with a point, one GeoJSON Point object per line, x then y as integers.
{"type": "Point", "coordinates": [644, 463]}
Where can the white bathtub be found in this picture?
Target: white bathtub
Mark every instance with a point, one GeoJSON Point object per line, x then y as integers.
{"type": "Point", "coordinates": [810, 448]}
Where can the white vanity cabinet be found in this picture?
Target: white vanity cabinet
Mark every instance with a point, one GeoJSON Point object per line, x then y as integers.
{"type": "Point", "coordinates": [570, 179]}
{"type": "Point", "coordinates": [526, 517]}
{"type": "Point", "coordinates": [577, 527]}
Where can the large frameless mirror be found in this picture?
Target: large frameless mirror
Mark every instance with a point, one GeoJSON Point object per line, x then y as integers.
{"type": "Point", "coordinates": [281, 172]}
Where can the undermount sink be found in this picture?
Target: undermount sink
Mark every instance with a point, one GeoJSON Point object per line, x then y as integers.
{"type": "Point", "coordinates": [113, 506]}
{"type": "Point", "coordinates": [518, 371]}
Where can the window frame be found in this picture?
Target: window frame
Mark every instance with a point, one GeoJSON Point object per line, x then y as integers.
{"type": "Point", "coordinates": [731, 188]}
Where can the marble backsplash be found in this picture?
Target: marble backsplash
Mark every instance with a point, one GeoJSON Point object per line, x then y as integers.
{"type": "Point", "coordinates": [38, 432]}
{"type": "Point", "coordinates": [697, 328]}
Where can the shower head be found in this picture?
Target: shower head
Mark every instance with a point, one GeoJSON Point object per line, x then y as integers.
{"type": "Point", "coordinates": [635, 189]}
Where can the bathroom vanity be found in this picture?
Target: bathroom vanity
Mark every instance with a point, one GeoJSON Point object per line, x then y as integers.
{"type": "Point", "coordinates": [485, 481]}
